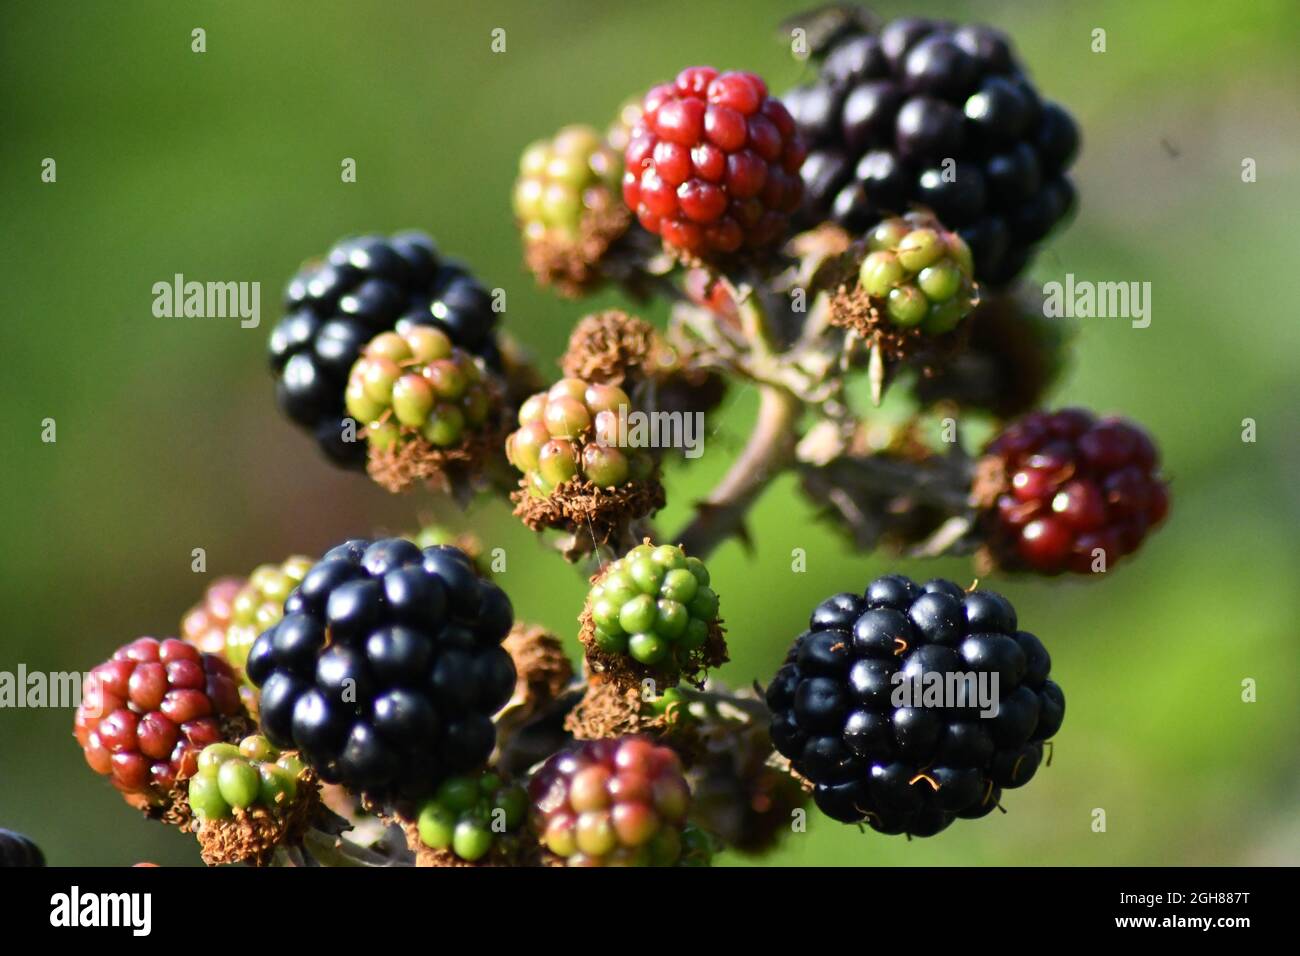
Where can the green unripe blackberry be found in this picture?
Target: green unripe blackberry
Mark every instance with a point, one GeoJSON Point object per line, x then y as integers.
{"type": "Point", "coordinates": [413, 385]}
{"type": "Point", "coordinates": [918, 274]}
{"type": "Point", "coordinates": [654, 608]}
{"type": "Point", "coordinates": [252, 774]}
{"type": "Point", "coordinates": [576, 430]}
{"type": "Point", "coordinates": [562, 178]}
{"type": "Point", "coordinates": [469, 814]}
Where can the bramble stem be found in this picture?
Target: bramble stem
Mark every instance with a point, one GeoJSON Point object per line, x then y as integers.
{"type": "Point", "coordinates": [769, 451]}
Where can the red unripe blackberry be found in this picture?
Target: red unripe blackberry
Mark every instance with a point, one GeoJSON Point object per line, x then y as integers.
{"type": "Point", "coordinates": [611, 802]}
{"type": "Point", "coordinates": [148, 711]}
{"type": "Point", "coordinates": [713, 162]}
{"type": "Point", "coordinates": [1061, 489]}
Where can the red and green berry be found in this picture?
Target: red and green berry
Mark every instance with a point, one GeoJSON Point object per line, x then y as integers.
{"type": "Point", "coordinates": [613, 802]}
{"type": "Point", "coordinates": [414, 384]}
{"type": "Point", "coordinates": [576, 430]}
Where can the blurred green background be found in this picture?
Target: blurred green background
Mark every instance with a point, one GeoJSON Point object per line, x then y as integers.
{"type": "Point", "coordinates": [225, 166]}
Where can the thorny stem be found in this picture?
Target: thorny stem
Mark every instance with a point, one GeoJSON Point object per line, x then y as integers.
{"type": "Point", "coordinates": [769, 451]}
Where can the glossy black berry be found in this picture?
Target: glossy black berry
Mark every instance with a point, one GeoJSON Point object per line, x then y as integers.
{"type": "Point", "coordinates": [367, 285]}
{"type": "Point", "coordinates": [891, 117]}
{"type": "Point", "coordinates": [921, 709]}
{"type": "Point", "coordinates": [388, 668]}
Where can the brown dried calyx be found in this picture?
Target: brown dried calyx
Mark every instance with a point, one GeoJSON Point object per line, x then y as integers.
{"type": "Point", "coordinates": [615, 348]}
{"type": "Point", "coordinates": [610, 710]}
{"type": "Point", "coordinates": [593, 515]}
{"type": "Point", "coordinates": [414, 461]}
{"type": "Point", "coordinates": [251, 836]}
{"type": "Point", "coordinates": [572, 265]}
{"type": "Point", "coordinates": [542, 668]}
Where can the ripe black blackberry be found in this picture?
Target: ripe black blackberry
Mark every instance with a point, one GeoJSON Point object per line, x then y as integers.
{"type": "Point", "coordinates": [888, 108]}
{"type": "Point", "coordinates": [912, 769]}
{"type": "Point", "coordinates": [387, 667]}
{"type": "Point", "coordinates": [363, 287]}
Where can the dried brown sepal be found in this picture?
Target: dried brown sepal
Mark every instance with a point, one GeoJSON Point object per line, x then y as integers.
{"type": "Point", "coordinates": [611, 347]}
{"type": "Point", "coordinates": [251, 836]}
{"type": "Point", "coordinates": [626, 673]}
{"type": "Point", "coordinates": [608, 710]}
{"type": "Point", "coordinates": [595, 515]}
{"type": "Point", "coordinates": [572, 265]}
{"type": "Point", "coordinates": [515, 849]}
{"type": "Point", "coordinates": [542, 668]}
{"type": "Point", "coordinates": [412, 460]}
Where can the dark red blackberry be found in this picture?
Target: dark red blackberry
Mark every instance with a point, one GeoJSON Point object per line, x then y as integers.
{"type": "Point", "coordinates": [889, 107]}
{"type": "Point", "coordinates": [387, 667]}
{"type": "Point", "coordinates": [713, 163]}
{"type": "Point", "coordinates": [365, 286]}
{"type": "Point", "coordinates": [913, 765]}
{"type": "Point", "coordinates": [1060, 489]}
{"type": "Point", "coordinates": [147, 712]}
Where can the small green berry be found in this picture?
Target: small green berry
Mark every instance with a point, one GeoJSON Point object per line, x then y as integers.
{"type": "Point", "coordinates": [648, 575]}
{"type": "Point", "coordinates": [647, 648]}
{"type": "Point", "coordinates": [695, 635]}
{"type": "Point", "coordinates": [458, 793]}
{"type": "Point", "coordinates": [611, 642]}
{"type": "Point", "coordinates": [412, 399]}
{"type": "Point", "coordinates": [257, 747]}
{"type": "Point", "coordinates": [445, 427]}
{"type": "Point", "coordinates": [239, 783]}
{"type": "Point", "coordinates": [671, 620]}
{"type": "Point", "coordinates": [879, 273]}
{"type": "Point", "coordinates": [940, 281]}
{"type": "Point", "coordinates": [907, 305]}
{"type": "Point", "coordinates": [278, 786]}
{"type": "Point", "coordinates": [638, 614]}
{"type": "Point", "coordinates": [679, 585]}
{"type": "Point", "coordinates": [214, 755]}
{"type": "Point", "coordinates": [471, 840]}
{"type": "Point", "coordinates": [437, 825]}
{"type": "Point", "coordinates": [920, 248]}
{"type": "Point", "coordinates": [704, 605]}
{"type": "Point", "coordinates": [205, 796]}
{"type": "Point", "coordinates": [697, 568]}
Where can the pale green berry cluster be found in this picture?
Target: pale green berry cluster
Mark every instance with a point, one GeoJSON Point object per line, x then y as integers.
{"type": "Point", "coordinates": [561, 178]}
{"type": "Point", "coordinates": [654, 605]}
{"type": "Point", "coordinates": [254, 774]}
{"type": "Point", "coordinates": [921, 273]}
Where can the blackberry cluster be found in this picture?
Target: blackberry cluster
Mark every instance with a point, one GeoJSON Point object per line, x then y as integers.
{"type": "Point", "coordinates": [919, 272]}
{"type": "Point", "coordinates": [712, 164]}
{"type": "Point", "coordinates": [888, 108]}
{"type": "Point", "coordinates": [575, 430]}
{"type": "Point", "coordinates": [463, 816]}
{"type": "Point", "coordinates": [613, 802]}
{"type": "Point", "coordinates": [1069, 485]}
{"type": "Point", "coordinates": [653, 605]}
{"type": "Point", "coordinates": [912, 769]}
{"type": "Point", "coordinates": [147, 712]}
{"type": "Point", "coordinates": [413, 383]}
{"type": "Point", "coordinates": [253, 774]}
{"type": "Point", "coordinates": [562, 178]}
{"type": "Point", "coordinates": [364, 286]}
{"type": "Point", "coordinates": [387, 667]}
